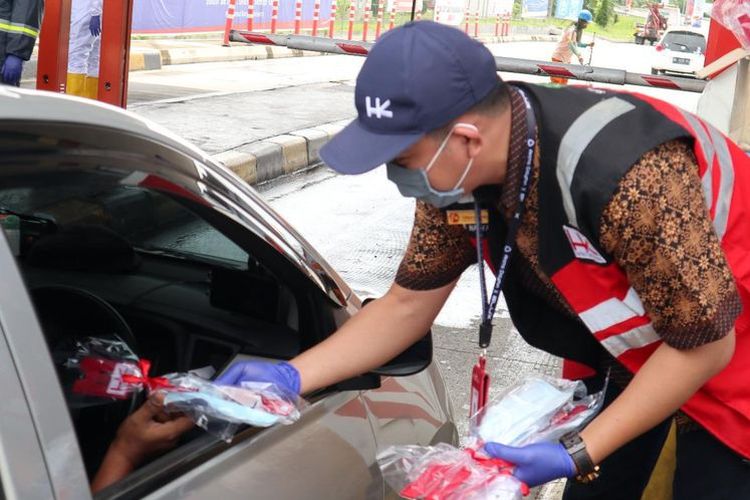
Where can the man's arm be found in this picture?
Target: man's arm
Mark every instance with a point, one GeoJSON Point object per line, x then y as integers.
{"type": "Point", "coordinates": [380, 331]}
{"type": "Point", "coordinates": [664, 383]}
{"type": "Point", "coordinates": [659, 231]}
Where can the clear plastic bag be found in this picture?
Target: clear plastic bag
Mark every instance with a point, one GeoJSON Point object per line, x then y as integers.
{"type": "Point", "coordinates": [735, 16]}
{"type": "Point", "coordinates": [99, 370]}
{"type": "Point", "coordinates": [444, 472]}
{"type": "Point", "coordinates": [536, 410]}
{"type": "Point", "coordinates": [221, 410]}
{"type": "Point", "coordinates": [532, 411]}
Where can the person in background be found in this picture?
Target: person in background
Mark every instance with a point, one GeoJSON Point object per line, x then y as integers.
{"type": "Point", "coordinates": [84, 48]}
{"type": "Point", "coordinates": [19, 29]}
{"type": "Point", "coordinates": [570, 43]}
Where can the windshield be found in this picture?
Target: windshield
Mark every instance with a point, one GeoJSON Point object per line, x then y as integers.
{"type": "Point", "coordinates": [685, 41]}
{"type": "Point", "coordinates": [93, 203]}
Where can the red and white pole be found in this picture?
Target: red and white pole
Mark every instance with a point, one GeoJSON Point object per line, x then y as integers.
{"type": "Point", "coordinates": [332, 21]}
{"type": "Point", "coordinates": [476, 24]}
{"type": "Point", "coordinates": [393, 16]}
{"type": "Point", "coordinates": [250, 14]}
{"type": "Point", "coordinates": [297, 17]}
{"type": "Point", "coordinates": [379, 24]}
{"type": "Point", "coordinates": [506, 25]}
{"type": "Point", "coordinates": [316, 17]}
{"type": "Point", "coordinates": [274, 15]}
{"type": "Point", "coordinates": [466, 21]}
{"type": "Point", "coordinates": [366, 22]}
{"type": "Point", "coordinates": [230, 19]}
{"type": "Point", "coordinates": [352, 11]}
{"type": "Point", "coordinates": [497, 26]}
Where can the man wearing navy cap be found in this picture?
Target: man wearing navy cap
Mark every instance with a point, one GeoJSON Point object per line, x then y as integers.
{"type": "Point", "coordinates": [615, 223]}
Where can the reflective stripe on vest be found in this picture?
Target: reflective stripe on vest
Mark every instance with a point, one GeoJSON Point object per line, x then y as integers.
{"type": "Point", "coordinates": [576, 140]}
{"type": "Point", "coordinates": [714, 147]}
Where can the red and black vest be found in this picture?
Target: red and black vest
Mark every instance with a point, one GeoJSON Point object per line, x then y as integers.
{"type": "Point", "coordinates": [589, 138]}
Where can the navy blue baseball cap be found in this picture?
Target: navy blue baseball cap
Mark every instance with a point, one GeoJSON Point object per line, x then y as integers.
{"type": "Point", "coordinates": [417, 78]}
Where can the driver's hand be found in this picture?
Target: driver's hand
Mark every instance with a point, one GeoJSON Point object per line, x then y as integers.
{"type": "Point", "coordinates": [580, 59]}
{"type": "Point", "coordinates": [148, 431]}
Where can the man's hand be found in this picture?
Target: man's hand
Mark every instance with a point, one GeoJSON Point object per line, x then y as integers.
{"type": "Point", "coordinates": [11, 70]}
{"type": "Point", "coordinates": [95, 25]}
{"type": "Point", "coordinates": [580, 59]}
{"type": "Point", "coordinates": [536, 463]}
{"type": "Point", "coordinates": [591, 45]}
{"type": "Point", "coordinates": [148, 431]}
{"type": "Point", "coordinates": [283, 375]}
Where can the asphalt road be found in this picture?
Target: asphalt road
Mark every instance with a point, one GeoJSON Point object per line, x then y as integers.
{"type": "Point", "coordinates": [221, 106]}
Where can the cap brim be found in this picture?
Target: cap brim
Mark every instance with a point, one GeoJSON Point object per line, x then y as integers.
{"type": "Point", "coordinates": [356, 150]}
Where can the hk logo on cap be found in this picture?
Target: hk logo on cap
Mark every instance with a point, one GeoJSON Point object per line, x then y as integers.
{"type": "Point", "coordinates": [379, 110]}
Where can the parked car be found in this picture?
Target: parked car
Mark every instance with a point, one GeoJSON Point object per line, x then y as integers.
{"type": "Point", "coordinates": [680, 50]}
{"type": "Point", "coordinates": [128, 230]}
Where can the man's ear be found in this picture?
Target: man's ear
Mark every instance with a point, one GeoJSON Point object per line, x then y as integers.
{"type": "Point", "coordinates": [470, 133]}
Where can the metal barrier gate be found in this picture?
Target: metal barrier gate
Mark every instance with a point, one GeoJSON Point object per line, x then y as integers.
{"type": "Point", "coordinates": [510, 64]}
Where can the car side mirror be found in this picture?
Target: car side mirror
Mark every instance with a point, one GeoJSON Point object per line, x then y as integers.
{"type": "Point", "coordinates": [413, 360]}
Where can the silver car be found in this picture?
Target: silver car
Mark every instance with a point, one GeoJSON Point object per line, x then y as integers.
{"type": "Point", "coordinates": [122, 228]}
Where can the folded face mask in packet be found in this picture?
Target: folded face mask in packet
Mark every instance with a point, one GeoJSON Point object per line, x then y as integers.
{"type": "Point", "coordinates": [536, 410]}
{"type": "Point", "coordinates": [222, 410]}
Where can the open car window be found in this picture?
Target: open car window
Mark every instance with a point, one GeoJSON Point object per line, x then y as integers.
{"type": "Point", "coordinates": [107, 257]}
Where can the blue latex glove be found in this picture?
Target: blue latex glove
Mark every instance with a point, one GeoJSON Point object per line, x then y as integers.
{"type": "Point", "coordinates": [95, 25]}
{"type": "Point", "coordinates": [284, 375]}
{"type": "Point", "coordinates": [535, 463]}
{"type": "Point", "coordinates": [11, 70]}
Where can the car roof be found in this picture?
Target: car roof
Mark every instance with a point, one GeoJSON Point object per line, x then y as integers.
{"type": "Point", "coordinates": [31, 105]}
{"type": "Point", "coordinates": [688, 29]}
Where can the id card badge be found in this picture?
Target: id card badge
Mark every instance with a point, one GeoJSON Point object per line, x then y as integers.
{"type": "Point", "coordinates": [480, 387]}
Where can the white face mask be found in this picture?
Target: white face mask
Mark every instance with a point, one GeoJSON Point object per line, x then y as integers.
{"type": "Point", "coordinates": [415, 183]}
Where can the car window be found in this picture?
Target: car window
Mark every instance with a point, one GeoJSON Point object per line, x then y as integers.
{"type": "Point", "coordinates": [150, 220]}
{"type": "Point", "coordinates": [685, 41]}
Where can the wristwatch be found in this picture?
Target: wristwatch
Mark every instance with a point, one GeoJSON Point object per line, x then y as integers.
{"type": "Point", "coordinates": [576, 448]}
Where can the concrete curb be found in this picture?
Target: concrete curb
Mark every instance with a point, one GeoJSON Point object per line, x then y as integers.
{"type": "Point", "coordinates": [156, 58]}
{"type": "Point", "coordinates": [280, 155]}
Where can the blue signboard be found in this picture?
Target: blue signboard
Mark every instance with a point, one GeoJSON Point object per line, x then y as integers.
{"type": "Point", "coordinates": [568, 9]}
{"type": "Point", "coordinates": [165, 16]}
{"type": "Point", "coordinates": [535, 8]}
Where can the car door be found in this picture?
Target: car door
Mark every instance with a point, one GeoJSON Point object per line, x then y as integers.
{"type": "Point", "coordinates": [39, 456]}
{"type": "Point", "coordinates": [328, 453]}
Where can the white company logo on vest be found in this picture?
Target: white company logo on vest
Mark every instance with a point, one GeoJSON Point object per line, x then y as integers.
{"type": "Point", "coordinates": [379, 110]}
{"type": "Point", "coordinates": [582, 247]}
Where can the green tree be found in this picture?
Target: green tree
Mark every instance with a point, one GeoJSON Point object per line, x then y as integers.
{"type": "Point", "coordinates": [604, 13]}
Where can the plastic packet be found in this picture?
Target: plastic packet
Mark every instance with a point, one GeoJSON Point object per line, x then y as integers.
{"type": "Point", "coordinates": [221, 410]}
{"type": "Point", "coordinates": [536, 410]}
{"type": "Point", "coordinates": [735, 16]}
{"type": "Point", "coordinates": [99, 369]}
{"type": "Point", "coordinates": [444, 472]}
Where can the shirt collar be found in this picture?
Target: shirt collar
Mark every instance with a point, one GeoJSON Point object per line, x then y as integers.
{"type": "Point", "coordinates": [516, 151]}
